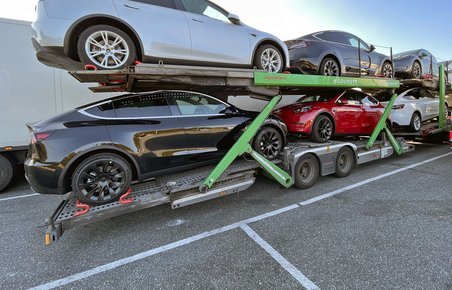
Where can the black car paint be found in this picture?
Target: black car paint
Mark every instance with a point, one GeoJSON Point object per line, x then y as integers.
{"type": "Point", "coordinates": [153, 146]}
{"type": "Point", "coordinates": [309, 58]}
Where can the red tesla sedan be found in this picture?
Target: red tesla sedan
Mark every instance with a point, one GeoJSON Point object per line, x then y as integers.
{"type": "Point", "coordinates": [332, 113]}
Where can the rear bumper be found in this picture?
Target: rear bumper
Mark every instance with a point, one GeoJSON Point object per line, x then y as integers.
{"type": "Point", "coordinates": [42, 178]}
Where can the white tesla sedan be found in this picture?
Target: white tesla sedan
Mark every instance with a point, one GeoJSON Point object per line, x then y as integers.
{"type": "Point", "coordinates": [111, 34]}
{"type": "Point", "coordinates": [412, 107]}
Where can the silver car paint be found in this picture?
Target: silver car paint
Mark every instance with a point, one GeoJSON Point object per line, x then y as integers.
{"type": "Point", "coordinates": [163, 32]}
{"type": "Point", "coordinates": [427, 107]}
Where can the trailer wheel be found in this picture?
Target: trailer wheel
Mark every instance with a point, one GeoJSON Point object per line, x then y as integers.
{"type": "Point", "coordinates": [7, 170]}
{"type": "Point", "coordinates": [307, 171]}
{"type": "Point", "coordinates": [345, 161]}
{"type": "Point", "coordinates": [101, 179]}
{"type": "Point", "coordinates": [106, 47]}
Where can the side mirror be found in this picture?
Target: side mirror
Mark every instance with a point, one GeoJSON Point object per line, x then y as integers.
{"type": "Point", "coordinates": [371, 48]}
{"type": "Point", "coordinates": [234, 18]}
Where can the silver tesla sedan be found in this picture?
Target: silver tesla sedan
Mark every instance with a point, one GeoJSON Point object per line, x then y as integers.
{"type": "Point", "coordinates": [111, 34]}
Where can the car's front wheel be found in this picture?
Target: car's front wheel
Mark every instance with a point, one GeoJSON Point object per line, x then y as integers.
{"type": "Point", "coordinates": [106, 47]}
{"type": "Point", "coordinates": [269, 58]}
{"type": "Point", "coordinates": [387, 70]}
{"type": "Point", "coordinates": [268, 142]}
{"type": "Point", "coordinates": [101, 179]}
{"type": "Point", "coordinates": [323, 129]}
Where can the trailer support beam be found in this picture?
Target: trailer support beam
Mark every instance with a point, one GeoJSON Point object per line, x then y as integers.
{"type": "Point", "coordinates": [442, 96]}
{"type": "Point", "coordinates": [243, 146]}
{"type": "Point", "coordinates": [382, 126]}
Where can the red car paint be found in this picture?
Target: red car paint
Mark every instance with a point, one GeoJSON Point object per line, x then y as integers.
{"type": "Point", "coordinates": [358, 116]}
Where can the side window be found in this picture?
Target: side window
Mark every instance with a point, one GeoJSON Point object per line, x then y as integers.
{"type": "Point", "coordinates": [161, 3]}
{"type": "Point", "coordinates": [337, 37]}
{"type": "Point", "coordinates": [415, 94]}
{"type": "Point", "coordinates": [351, 97]}
{"type": "Point", "coordinates": [364, 45]}
{"type": "Point", "coordinates": [194, 104]}
{"type": "Point", "coordinates": [369, 100]}
{"type": "Point", "coordinates": [142, 106]}
{"type": "Point", "coordinates": [205, 8]}
{"type": "Point", "coordinates": [104, 110]}
{"type": "Point", "coordinates": [322, 36]}
{"type": "Point", "coordinates": [353, 41]}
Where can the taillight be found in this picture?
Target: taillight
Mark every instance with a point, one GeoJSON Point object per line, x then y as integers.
{"type": "Point", "coordinates": [38, 137]}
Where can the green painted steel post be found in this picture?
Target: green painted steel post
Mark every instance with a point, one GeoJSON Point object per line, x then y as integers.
{"type": "Point", "coordinates": [277, 173]}
{"type": "Point", "coordinates": [442, 97]}
{"type": "Point", "coordinates": [242, 146]}
{"type": "Point", "coordinates": [382, 125]}
{"type": "Point", "coordinates": [395, 144]}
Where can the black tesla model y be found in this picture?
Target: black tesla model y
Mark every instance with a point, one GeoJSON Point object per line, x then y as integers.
{"type": "Point", "coordinates": [99, 149]}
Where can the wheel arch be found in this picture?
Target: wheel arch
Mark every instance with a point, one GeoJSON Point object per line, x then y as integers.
{"type": "Point", "coordinates": [331, 55]}
{"type": "Point", "coordinates": [277, 124]}
{"type": "Point", "coordinates": [71, 37]}
{"type": "Point", "coordinates": [274, 43]}
{"type": "Point", "coordinates": [64, 181]}
{"type": "Point", "coordinates": [329, 115]}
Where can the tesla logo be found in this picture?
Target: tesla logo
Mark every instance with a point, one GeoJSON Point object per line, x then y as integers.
{"type": "Point", "coordinates": [345, 82]}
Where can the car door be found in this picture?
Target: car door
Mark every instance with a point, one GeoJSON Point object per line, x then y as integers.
{"type": "Point", "coordinates": [347, 53]}
{"type": "Point", "coordinates": [209, 128]}
{"type": "Point", "coordinates": [145, 125]}
{"type": "Point", "coordinates": [432, 103]}
{"type": "Point", "coordinates": [214, 37]}
{"type": "Point", "coordinates": [348, 114]}
{"type": "Point", "coordinates": [162, 28]}
{"type": "Point", "coordinates": [427, 62]}
{"type": "Point", "coordinates": [362, 54]}
{"type": "Point", "coordinates": [372, 112]}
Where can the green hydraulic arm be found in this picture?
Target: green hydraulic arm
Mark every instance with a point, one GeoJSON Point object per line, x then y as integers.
{"type": "Point", "coordinates": [382, 126]}
{"type": "Point", "coordinates": [242, 146]}
{"type": "Point", "coordinates": [442, 96]}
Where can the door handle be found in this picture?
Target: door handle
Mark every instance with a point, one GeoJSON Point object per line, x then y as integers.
{"type": "Point", "coordinates": [197, 20]}
{"type": "Point", "coordinates": [131, 7]}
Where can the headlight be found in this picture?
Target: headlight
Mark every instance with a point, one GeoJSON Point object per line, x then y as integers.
{"type": "Point", "coordinates": [302, 110]}
{"type": "Point", "coordinates": [398, 107]}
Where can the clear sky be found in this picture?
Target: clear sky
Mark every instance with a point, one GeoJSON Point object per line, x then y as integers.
{"type": "Point", "coordinates": [402, 24]}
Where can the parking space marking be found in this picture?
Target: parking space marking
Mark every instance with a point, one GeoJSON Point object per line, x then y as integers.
{"type": "Point", "coordinates": [183, 242]}
{"type": "Point", "coordinates": [353, 186]}
{"type": "Point", "coordinates": [17, 197]}
{"type": "Point", "coordinates": [302, 279]}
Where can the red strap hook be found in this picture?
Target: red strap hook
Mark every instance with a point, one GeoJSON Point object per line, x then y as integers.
{"type": "Point", "coordinates": [84, 208]}
{"type": "Point", "coordinates": [126, 199]}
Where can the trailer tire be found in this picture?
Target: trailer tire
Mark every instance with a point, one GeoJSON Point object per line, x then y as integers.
{"type": "Point", "coordinates": [307, 171]}
{"type": "Point", "coordinates": [7, 170]}
{"type": "Point", "coordinates": [100, 174]}
{"type": "Point", "coordinates": [345, 161]}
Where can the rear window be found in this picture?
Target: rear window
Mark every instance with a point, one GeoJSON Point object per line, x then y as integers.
{"type": "Point", "coordinates": [104, 110]}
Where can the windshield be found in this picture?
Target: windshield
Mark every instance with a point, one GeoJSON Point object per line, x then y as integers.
{"type": "Point", "coordinates": [318, 97]}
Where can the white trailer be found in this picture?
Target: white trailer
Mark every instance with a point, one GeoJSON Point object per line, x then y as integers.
{"type": "Point", "coordinates": [29, 92]}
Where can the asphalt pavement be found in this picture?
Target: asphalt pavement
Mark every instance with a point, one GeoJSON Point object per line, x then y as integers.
{"type": "Point", "coordinates": [386, 226]}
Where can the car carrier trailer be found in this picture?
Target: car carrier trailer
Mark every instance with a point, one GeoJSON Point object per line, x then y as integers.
{"type": "Point", "coordinates": [299, 165]}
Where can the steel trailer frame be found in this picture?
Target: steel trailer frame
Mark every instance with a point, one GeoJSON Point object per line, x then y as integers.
{"type": "Point", "coordinates": [230, 175]}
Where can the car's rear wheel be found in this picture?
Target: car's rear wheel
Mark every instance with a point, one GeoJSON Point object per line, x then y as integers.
{"type": "Point", "coordinates": [7, 169]}
{"type": "Point", "coordinates": [101, 179]}
{"type": "Point", "coordinates": [106, 47]}
{"type": "Point", "coordinates": [269, 58]}
{"type": "Point", "coordinates": [268, 142]}
{"type": "Point", "coordinates": [416, 70]}
{"type": "Point", "coordinates": [387, 70]}
{"type": "Point", "coordinates": [323, 129]}
{"type": "Point", "coordinates": [330, 67]}
{"type": "Point", "coordinates": [307, 171]}
{"type": "Point", "coordinates": [415, 124]}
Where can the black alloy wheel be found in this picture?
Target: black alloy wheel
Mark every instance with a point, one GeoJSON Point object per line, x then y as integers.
{"type": "Point", "coordinates": [101, 179]}
{"type": "Point", "coordinates": [268, 142]}
{"type": "Point", "coordinates": [322, 130]}
{"type": "Point", "coordinates": [330, 67]}
{"type": "Point", "coordinates": [307, 171]}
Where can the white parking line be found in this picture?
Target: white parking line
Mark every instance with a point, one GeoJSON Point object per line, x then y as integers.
{"type": "Point", "coordinates": [17, 197]}
{"type": "Point", "coordinates": [152, 252]}
{"type": "Point", "coordinates": [302, 279]}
